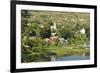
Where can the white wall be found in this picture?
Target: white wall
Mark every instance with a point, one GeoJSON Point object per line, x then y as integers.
{"type": "Point", "coordinates": [5, 37]}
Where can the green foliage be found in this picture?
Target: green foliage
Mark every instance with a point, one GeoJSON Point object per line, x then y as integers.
{"type": "Point", "coordinates": [35, 54]}
{"type": "Point", "coordinates": [79, 39]}
{"type": "Point", "coordinates": [45, 32]}
{"type": "Point", "coordinates": [34, 49]}
{"type": "Point", "coordinates": [35, 28]}
{"type": "Point", "coordinates": [65, 32]}
{"type": "Point", "coordinates": [66, 51]}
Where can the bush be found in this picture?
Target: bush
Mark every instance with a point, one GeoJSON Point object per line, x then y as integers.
{"type": "Point", "coordinates": [34, 49]}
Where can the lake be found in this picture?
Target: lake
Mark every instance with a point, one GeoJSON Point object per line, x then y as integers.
{"type": "Point", "coordinates": [70, 58]}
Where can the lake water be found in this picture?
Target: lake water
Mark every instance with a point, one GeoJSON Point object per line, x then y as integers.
{"type": "Point", "coordinates": [71, 58]}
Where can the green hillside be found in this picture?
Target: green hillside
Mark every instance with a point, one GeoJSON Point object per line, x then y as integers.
{"type": "Point", "coordinates": [36, 28]}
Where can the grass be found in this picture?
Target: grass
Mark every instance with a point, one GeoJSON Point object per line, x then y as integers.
{"type": "Point", "coordinates": [64, 51]}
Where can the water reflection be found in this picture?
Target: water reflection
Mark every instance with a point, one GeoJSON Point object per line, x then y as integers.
{"type": "Point", "coordinates": [69, 58]}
